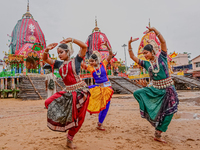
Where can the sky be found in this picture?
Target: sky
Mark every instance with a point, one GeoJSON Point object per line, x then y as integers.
{"type": "Point", "coordinates": [177, 20]}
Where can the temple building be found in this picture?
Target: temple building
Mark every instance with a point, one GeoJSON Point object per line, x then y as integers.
{"type": "Point", "coordinates": [27, 44]}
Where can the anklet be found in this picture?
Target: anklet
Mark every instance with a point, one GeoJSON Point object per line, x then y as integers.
{"type": "Point", "coordinates": [69, 141]}
{"type": "Point", "coordinates": [157, 135]}
{"type": "Point", "coordinates": [99, 124]}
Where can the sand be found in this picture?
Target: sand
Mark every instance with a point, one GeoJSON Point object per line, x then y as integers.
{"type": "Point", "coordinates": [23, 127]}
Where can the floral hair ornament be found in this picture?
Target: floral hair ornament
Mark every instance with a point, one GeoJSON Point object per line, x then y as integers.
{"type": "Point", "coordinates": [70, 48]}
{"type": "Point", "coordinates": [98, 56]}
{"type": "Point", "coordinates": [156, 48]}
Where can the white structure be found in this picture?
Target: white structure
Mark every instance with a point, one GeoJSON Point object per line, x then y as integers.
{"type": "Point", "coordinates": [180, 60]}
{"type": "Point", "coordinates": [196, 63]}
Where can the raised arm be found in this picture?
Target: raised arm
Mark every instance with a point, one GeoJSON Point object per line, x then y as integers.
{"type": "Point", "coordinates": [82, 45]}
{"type": "Point", "coordinates": [46, 52]}
{"type": "Point", "coordinates": [160, 37]}
{"type": "Point", "coordinates": [131, 54]}
{"type": "Point", "coordinates": [109, 49]}
{"type": "Point", "coordinates": [83, 65]}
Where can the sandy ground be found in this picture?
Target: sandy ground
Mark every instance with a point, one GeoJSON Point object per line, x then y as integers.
{"type": "Point", "coordinates": [23, 127]}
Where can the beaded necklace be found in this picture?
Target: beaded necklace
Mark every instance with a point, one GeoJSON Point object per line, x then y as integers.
{"type": "Point", "coordinates": [98, 73]}
{"type": "Point", "coordinates": [155, 71]}
{"type": "Point", "coordinates": [65, 74]}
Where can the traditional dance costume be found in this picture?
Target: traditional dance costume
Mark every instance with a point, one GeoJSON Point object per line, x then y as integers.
{"type": "Point", "coordinates": [159, 102]}
{"type": "Point", "coordinates": [67, 108]}
{"type": "Point", "coordinates": [101, 92]}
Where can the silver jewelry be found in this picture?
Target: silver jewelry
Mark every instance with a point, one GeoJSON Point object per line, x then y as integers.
{"type": "Point", "coordinates": [46, 52]}
{"type": "Point", "coordinates": [98, 73]}
{"type": "Point", "coordinates": [157, 134]}
{"type": "Point", "coordinates": [65, 74]}
{"type": "Point", "coordinates": [155, 71]}
{"type": "Point", "coordinates": [64, 48]}
{"type": "Point", "coordinates": [69, 141]}
{"type": "Point", "coordinates": [72, 40]}
{"type": "Point", "coordinates": [130, 49]}
{"type": "Point", "coordinates": [158, 34]}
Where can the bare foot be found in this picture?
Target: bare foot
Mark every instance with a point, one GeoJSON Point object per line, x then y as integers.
{"type": "Point", "coordinates": [160, 140]}
{"type": "Point", "coordinates": [71, 145]}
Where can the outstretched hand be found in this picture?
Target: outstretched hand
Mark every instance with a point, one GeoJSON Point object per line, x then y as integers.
{"type": "Point", "coordinates": [67, 40]}
{"type": "Point", "coordinates": [106, 44]}
{"type": "Point", "coordinates": [149, 30]}
{"type": "Point", "coordinates": [132, 40]}
{"type": "Point", "coordinates": [51, 46]}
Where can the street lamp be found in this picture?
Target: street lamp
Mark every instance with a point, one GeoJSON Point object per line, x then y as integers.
{"type": "Point", "coordinates": [125, 55]}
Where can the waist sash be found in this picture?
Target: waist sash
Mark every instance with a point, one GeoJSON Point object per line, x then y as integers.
{"type": "Point", "coordinates": [76, 86]}
{"type": "Point", "coordinates": [162, 84]}
{"type": "Point", "coordinates": [104, 84]}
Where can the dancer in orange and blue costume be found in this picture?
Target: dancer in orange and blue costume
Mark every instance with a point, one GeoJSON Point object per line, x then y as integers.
{"type": "Point", "coordinates": [67, 108]}
{"type": "Point", "coordinates": [101, 92]}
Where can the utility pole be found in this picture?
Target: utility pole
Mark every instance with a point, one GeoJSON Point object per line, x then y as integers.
{"type": "Point", "coordinates": [125, 56]}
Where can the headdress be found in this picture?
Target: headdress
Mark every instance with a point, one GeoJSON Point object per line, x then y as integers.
{"type": "Point", "coordinates": [96, 56]}
{"type": "Point", "coordinates": [67, 47]}
{"type": "Point", "coordinates": [154, 44]}
{"type": "Point", "coordinates": [70, 48]}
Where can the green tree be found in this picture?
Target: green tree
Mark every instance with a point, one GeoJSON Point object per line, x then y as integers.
{"type": "Point", "coordinates": [122, 69]}
{"type": "Point", "coordinates": [189, 54]}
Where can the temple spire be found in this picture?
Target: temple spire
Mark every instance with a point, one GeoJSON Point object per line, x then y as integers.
{"type": "Point", "coordinates": [27, 14]}
{"type": "Point", "coordinates": [95, 21]}
{"type": "Point", "coordinates": [96, 28]}
{"type": "Point", "coordinates": [149, 23]}
{"type": "Point", "coordinates": [28, 6]}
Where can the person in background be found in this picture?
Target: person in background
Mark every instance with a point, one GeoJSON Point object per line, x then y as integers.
{"type": "Point", "coordinates": [50, 82]}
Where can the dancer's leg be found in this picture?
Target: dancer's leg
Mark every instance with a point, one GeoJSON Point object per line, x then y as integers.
{"type": "Point", "coordinates": [102, 116]}
{"type": "Point", "coordinates": [53, 97]}
{"type": "Point", "coordinates": [162, 128]}
{"type": "Point", "coordinates": [103, 113]}
{"type": "Point", "coordinates": [74, 130]}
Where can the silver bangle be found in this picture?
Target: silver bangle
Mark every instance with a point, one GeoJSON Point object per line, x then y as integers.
{"type": "Point", "coordinates": [158, 34]}
{"type": "Point", "coordinates": [72, 40]}
{"type": "Point", "coordinates": [130, 49]}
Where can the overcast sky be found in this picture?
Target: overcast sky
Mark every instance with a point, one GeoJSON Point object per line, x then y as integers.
{"type": "Point", "coordinates": [177, 20]}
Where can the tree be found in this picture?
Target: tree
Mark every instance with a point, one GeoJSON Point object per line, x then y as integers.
{"type": "Point", "coordinates": [189, 54]}
{"type": "Point", "coordinates": [121, 69]}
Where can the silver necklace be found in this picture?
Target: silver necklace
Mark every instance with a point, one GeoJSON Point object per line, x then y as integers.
{"type": "Point", "coordinates": [155, 71]}
{"type": "Point", "coordinates": [98, 73]}
{"type": "Point", "coordinates": [65, 74]}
